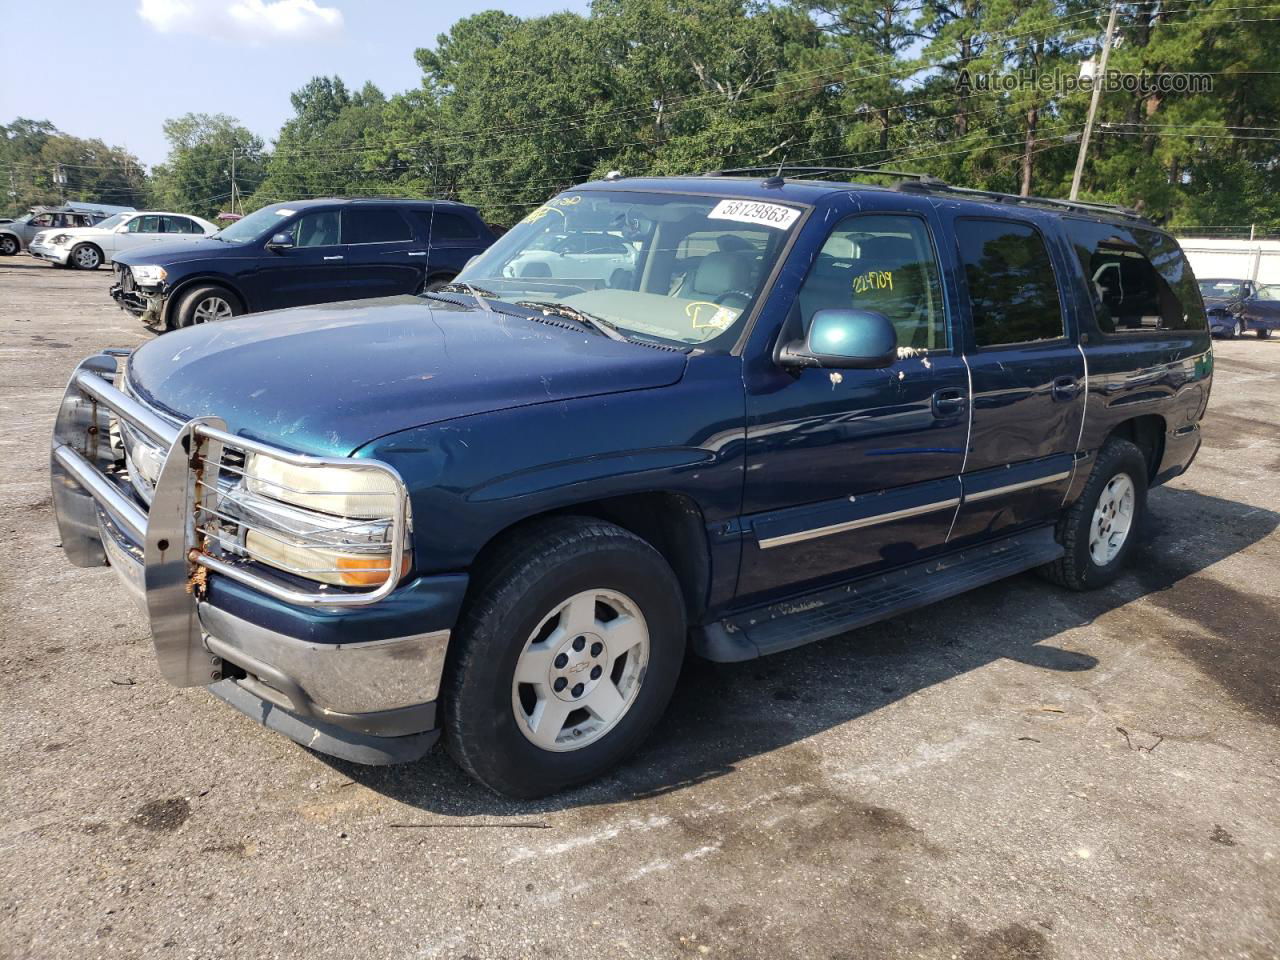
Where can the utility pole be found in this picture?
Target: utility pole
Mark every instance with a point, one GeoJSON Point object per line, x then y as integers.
{"type": "Point", "coordinates": [1099, 77]}
{"type": "Point", "coordinates": [233, 179]}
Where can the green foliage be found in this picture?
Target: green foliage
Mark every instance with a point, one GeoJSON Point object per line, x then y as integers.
{"type": "Point", "coordinates": [196, 178]}
{"type": "Point", "coordinates": [40, 164]}
{"type": "Point", "coordinates": [511, 110]}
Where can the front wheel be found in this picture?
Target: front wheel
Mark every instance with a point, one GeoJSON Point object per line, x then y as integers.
{"type": "Point", "coordinates": [85, 256]}
{"type": "Point", "coordinates": [207, 304]}
{"type": "Point", "coordinates": [1238, 330]}
{"type": "Point", "coordinates": [566, 657]}
{"type": "Point", "coordinates": [1099, 531]}
{"type": "Point", "coordinates": [8, 245]}
{"type": "Point", "coordinates": [1264, 333]}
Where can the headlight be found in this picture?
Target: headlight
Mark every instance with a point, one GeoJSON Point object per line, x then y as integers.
{"type": "Point", "coordinates": [59, 239]}
{"type": "Point", "coordinates": [337, 524]}
{"type": "Point", "coordinates": [149, 275]}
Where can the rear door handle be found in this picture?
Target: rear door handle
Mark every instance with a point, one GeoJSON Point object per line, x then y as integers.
{"type": "Point", "coordinates": [949, 402]}
{"type": "Point", "coordinates": [417, 253]}
{"type": "Point", "coordinates": [1065, 388]}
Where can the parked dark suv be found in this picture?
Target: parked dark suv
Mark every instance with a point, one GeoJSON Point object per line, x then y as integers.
{"type": "Point", "coordinates": [301, 253]}
{"type": "Point", "coordinates": [726, 414]}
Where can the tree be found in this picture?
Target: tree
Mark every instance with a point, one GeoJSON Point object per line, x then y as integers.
{"type": "Point", "coordinates": [196, 176]}
{"type": "Point", "coordinates": [40, 164]}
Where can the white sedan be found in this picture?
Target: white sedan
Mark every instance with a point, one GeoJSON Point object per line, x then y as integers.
{"type": "Point", "coordinates": [87, 248]}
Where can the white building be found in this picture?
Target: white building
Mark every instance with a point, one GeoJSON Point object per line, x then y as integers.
{"type": "Point", "coordinates": [1233, 259]}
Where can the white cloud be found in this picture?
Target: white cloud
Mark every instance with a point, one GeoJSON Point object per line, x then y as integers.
{"type": "Point", "coordinates": [243, 21]}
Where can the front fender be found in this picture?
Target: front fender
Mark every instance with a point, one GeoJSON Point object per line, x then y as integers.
{"type": "Point", "coordinates": [473, 477]}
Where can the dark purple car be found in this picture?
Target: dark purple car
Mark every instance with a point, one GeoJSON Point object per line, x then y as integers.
{"type": "Point", "coordinates": [1235, 306]}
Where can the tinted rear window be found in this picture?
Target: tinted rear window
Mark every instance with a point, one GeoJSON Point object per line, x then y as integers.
{"type": "Point", "coordinates": [374, 225]}
{"type": "Point", "coordinates": [1012, 292]}
{"type": "Point", "coordinates": [446, 227]}
{"type": "Point", "coordinates": [1138, 280]}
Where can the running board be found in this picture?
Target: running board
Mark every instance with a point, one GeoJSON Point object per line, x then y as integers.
{"type": "Point", "coordinates": [825, 613]}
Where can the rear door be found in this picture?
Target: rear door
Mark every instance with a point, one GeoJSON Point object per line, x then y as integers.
{"type": "Point", "coordinates": [453, 239]}
{"type": "Point", "coordinates": [383, 257]}
{"type": "Point", "coordinates": [1026, 372]}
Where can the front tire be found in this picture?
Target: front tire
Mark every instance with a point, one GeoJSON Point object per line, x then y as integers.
{"type": "Point", "coordinates": [8, 245]}
{"type": "Point", "coordinates": [1264, 334]}
{"type": "Point", "coordinates": [565, 658]}
{"type": "Point", "coordinates": [207, 303]}
{"type": "Point", "coordinates": [1100, 529]}
{"type": "Point", "coordinates": [1237, 331]}
{"type": "Point", "coordinates": [85, 256]}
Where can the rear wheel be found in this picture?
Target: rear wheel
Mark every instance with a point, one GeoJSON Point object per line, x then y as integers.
{"type": "Point", "coordinates": [1263, 334]}
{"type": "Point", "coordinates": [85, 256]}
{"type": "Point", "coordinates": [1099, 531]}
{"type": "Point", "coordinates": [207, 304]}
{"type": "Point", "coordinates": [8, 245]}
{"type": "Point", "coordinates": [565, 657]}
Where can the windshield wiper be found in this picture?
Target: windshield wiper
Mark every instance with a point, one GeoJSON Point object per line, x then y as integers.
{"type": "Point", "coordinates": [603, 327]}
{"type": "Point", "coordinates": [461, 286]}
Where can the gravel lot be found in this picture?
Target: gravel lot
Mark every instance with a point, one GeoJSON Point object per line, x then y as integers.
{"type": "Point", "coordinates": [1020, 773]}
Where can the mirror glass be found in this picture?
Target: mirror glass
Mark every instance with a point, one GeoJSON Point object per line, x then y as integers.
{"type": "Point", "coordinates": [853, 335]}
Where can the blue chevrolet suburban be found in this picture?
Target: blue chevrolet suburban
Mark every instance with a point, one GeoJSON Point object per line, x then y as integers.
{"type": "Point", "coordinates": [300, 253]}
{"type": "Point", "coordinates": [730, 414]}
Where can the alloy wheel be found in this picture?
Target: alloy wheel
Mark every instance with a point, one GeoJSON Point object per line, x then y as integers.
{"type": "Point", "coordinates": [210, 309]}
{"type": "Point", "coordinates": [87, 258]}
{"type": "Point", "coordinates": [580, 670]}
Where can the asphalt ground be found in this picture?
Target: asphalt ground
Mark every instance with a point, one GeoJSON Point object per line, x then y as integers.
{"type": "Point", "coordinates": [1022, 773]}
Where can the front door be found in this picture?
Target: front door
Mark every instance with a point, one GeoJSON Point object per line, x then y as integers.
{"type": "Point", "coordinates": [853, 470]}
{"type": "Point", "coordinates": [313, 270]}
{"type": "Point", "coordinates": [1028, 379]}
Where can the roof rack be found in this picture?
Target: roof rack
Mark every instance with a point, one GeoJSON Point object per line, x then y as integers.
{"type": "Point", "coordinates": [927, 183]}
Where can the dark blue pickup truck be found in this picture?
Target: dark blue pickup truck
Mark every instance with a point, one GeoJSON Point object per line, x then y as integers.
{"type": "Point", "coordinates": [300, 253]}
{"type": "Point", "coordinates": [731, 414]}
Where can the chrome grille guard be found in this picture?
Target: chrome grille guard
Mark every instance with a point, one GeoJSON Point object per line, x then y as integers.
{"type": "Point", "coordinates": [195, 524]}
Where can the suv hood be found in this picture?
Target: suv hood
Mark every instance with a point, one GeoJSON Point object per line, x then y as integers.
{"type": "Point", "coordinates": [175, 251]}
{"type": "Point", "coordinates": [328, 379]}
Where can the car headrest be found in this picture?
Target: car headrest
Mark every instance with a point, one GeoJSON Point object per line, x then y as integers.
{"type": "Point", "coordinates": [535, 268]}
{"type": "Point", "coordinates": [839, 248]}
{"type": "Point", "coordinates": [720, 272]}
{"type": "Point", "coordinates": [888, 251]}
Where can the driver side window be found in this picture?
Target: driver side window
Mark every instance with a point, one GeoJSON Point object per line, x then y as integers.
{"type": "Point", "coordinates": [320, 229]}
{"type": "Point", "coordinates": [884, 263]}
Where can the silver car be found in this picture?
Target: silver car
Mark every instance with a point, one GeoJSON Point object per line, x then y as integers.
{"type": "Point", "coordinates": [17, 235]}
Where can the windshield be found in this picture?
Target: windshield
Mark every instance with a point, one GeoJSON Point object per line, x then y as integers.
{"type": "Point", "coordinates": [679, 268]}
{"type": "Point", "coordinates": [250, 228]}
{"type": "Point", "coordinates": [112, 222]}
{"type": "Point", "coordinates": [1220, 288]}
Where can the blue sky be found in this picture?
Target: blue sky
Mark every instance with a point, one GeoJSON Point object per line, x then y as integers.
{"type": "Point", "coordinates": [138, 62]}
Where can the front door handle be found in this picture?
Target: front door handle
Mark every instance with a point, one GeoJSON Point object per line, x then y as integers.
{"type": "Point", "coordinates": [1065, 388]}
{"type": "Point", "coordinates": [949, 402]}
{"type": "Point", "coordinates": [417, 253]}
{"type": "Point", "coordinates": [339, 257]}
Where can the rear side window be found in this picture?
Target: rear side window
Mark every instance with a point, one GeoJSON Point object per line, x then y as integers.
{"type": "Point", "coordinates": [1013, 295]}
{"type": "Point", "coordinates": [446, 227]}
{"type": "Point", "coordinates": [1138, 280]}
{"type": "Point", "coordinates": [375, 225]}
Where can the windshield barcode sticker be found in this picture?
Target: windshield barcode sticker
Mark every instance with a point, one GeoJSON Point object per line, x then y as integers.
{"type": "Point", "coordinates": [749, 211]}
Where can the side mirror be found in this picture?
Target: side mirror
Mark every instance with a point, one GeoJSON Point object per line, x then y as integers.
{"type": "Point", "coordinates": [851, 339]}
{"type": "Point", "coordinates": [123, 228]}
{"type": "Point", "coordinates": [281, 241]}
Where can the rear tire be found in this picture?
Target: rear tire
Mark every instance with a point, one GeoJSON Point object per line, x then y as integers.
{"type": "Point", "coordinates": [85, 256]}
{"type": "Point", "coordinates": [565, 658]}
{"type": "Point", "coordinates": [1100, 529]}
{"type": "Point", "coordinates": [206, 303]}
{"type": "Point", "coordinates": [1264, 334]}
